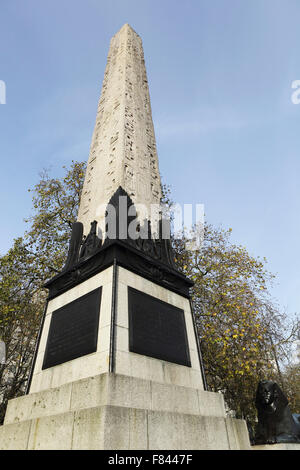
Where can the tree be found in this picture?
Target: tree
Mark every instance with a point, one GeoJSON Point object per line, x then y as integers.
{"type": "Point", "coordinates": [55, 204]}
{"type": "Point", "coordinates": [24, 269]}
{"type": "Point", "coordinates": [243, 335]}
{"type": "Point", "coordinates": [20, 310]}
{"type": "Point", "coordinates": [291, 380]}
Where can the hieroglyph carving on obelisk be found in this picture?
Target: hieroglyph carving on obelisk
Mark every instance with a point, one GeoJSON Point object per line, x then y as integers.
{"type": "Point", "coordinates": [123, 149]}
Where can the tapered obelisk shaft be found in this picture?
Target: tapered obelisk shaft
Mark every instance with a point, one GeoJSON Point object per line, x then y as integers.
{"type": "Point", "coordinates": [123, 149]}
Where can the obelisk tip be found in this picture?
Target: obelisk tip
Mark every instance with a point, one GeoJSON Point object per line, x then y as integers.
{"type": "Point", "coordinates": [127, 26]}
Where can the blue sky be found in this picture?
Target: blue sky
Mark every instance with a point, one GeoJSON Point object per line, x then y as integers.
{"type": "Point", "coordinates": [220, 75]}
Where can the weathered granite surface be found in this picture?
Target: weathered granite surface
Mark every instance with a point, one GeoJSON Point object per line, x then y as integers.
{"type": "Point", "coordinates": [123, 149]}
{"type": "Point", "coordinates": [112, 411]}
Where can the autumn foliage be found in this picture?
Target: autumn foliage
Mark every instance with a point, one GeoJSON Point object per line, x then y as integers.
{"type": "Point", "coordinates": [242, 333]}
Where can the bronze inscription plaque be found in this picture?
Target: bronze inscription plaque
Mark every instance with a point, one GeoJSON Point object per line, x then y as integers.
{"type": "Point", "coordinates": [73, 330]}
{"type": "Point", "coordinates": [157, 329]}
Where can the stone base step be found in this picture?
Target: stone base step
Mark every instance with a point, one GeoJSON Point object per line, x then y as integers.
{"type": "Point", "coordinates": [118, 390]}
{"type": "Point", "coordinates": [286, 446]}
{"type": "Point", "coordinates": [125, 428]}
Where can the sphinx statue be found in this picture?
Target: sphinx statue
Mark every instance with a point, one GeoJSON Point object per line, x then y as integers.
{"type": "Point", "coordinates": [276, 423]}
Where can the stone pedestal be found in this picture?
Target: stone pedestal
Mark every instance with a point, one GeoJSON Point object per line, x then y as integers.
{"type": "Point", "coordinates": [113, 342]}
{"type": "Point", "coordinates": [112, 411]}
{"type": "Point", "coordinates": [277, 447]}
{"type": "Point", "coordinates": [114, 397]}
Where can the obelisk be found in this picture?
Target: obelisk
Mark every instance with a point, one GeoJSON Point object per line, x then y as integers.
{"type": "Point", "coordinates": [118, 363]}
{"type": "Point", "coordinates": [123, 149]}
